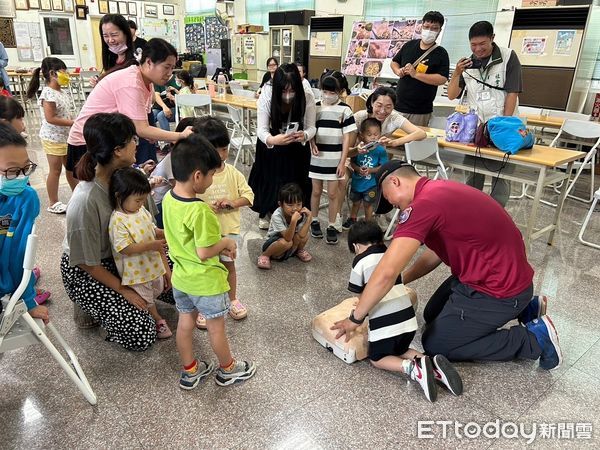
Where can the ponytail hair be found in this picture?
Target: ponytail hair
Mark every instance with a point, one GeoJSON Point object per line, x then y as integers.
{"type": "Point", "coordinates": [49, 64]}
{"type": "Point", "coordinates": [34, 83]}
{"type": "Point", "coordinates": [103, 133]}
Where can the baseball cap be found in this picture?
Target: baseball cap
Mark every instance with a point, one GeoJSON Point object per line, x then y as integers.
{"type": "Point", "coordinates": [382, 206]}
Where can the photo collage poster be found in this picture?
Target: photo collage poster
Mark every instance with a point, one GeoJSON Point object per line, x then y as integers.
{"type": "Point", "coordinates": [374, 42]}
{"type": "Point", "coordinates": [194, 34]}
{"type": "Point", "coordinates": [214, 31]}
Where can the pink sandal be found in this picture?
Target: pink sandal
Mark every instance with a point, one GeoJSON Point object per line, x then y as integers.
{"type": "Point", "coordinates": [237, 310]}
{"type": "Point", "coordinates": [303, 255]}
{"type": "Point", "coordinates": [41, 296]}
{"type": "Point", "coordinates": [264, 262]}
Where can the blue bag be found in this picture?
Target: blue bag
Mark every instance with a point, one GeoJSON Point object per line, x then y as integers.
{"type": "Point", "coordinates": [461, 127]}
{"type": "Point", "coordinates": [509, 134]}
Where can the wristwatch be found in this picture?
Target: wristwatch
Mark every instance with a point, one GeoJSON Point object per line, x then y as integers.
{"type": "Point", "coordinates": [354, 319]}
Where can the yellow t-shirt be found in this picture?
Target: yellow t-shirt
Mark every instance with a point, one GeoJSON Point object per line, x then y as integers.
{"type": "Point", "coordinates": [229, 184]}
{"type": "Point", "coordinates": [126, 229]}
{"type": "Point", "coordinates": [191, 224]}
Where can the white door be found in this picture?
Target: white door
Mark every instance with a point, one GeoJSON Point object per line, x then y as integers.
{"type": "Point", "coordinates": [60, 38]}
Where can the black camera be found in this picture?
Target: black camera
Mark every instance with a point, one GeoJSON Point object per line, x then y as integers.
{"type": "Point", "coordinates": [476, 64]}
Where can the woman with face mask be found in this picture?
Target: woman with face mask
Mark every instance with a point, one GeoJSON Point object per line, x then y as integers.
{"type": "Point", "coordinates": [286, 123]}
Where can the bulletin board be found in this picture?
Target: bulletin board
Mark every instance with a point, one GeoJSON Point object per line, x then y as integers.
{"type": "Point", "coordinates": [547, 48]}
{"type": "Point", "coordinates": [28, 38]}
{"type": "Point", "coordinates": [326, 43]}
{"type": "Point", "coordinates": [195, 40]}
{"type": "Point", "coordinates": [161, 28]}
{"type": "Point", "coordinates": [374, 44]}
{"type": "Point", "coordinates": [7, 33]}
{"type": "Point", "coordinates": [214, 32]}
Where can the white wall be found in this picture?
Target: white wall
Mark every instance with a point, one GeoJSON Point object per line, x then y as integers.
{"type": "Point", "coordinates": [326, 7]}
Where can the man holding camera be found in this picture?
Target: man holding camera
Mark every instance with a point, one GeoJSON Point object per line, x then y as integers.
{"type": "Point", "coordinates": [492, 77]}
{"type": "Point", "coordinates": [422, 66]}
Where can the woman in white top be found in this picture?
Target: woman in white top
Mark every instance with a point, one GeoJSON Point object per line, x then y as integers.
{"type": "Point", "coordinates": [282, 157]}
{"type": "Point", "coordinates": [380, 105]}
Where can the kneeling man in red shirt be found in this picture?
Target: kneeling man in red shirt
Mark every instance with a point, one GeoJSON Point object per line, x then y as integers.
{"type": "Point", "coordinates": [491, 282]}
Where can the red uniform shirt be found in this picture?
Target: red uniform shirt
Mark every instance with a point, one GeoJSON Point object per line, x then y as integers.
{"type": "Point", "coordinates": [471, 233]}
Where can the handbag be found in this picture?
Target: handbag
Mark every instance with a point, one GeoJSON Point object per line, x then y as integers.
{"type": "Point", "coordinates": [461, 127]}
{"type": "Point", "coordinates": [509, 134]}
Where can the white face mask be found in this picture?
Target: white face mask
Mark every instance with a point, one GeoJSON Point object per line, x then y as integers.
{"type": "Point", "coordinates": [329, 99]}
{"type": "Point", "coordinates": [428, 36]}
{"type": "Point", "coordinates": [288, 97]}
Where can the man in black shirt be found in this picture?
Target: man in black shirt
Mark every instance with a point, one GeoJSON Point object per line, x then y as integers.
{"type": "Point", "coordinates": [418, 83]}
{"type": "Point", "coordinates": [138, 42]}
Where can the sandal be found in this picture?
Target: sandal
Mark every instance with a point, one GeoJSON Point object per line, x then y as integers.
{"type": "Point", "coordinates": [57, 208]}
{"type": "Point", "coordinates": [237, 310]}
{"type": "Point", "coordinates": [37, 273]}
{"type": "Point", "coordinates": [264, 262]}
{"type": "Point", "coordinates": [303, 255]}
{"type": "Point", "coordinates": [41, 296]}
{"type": "Point", "coordinates": [201, 322]}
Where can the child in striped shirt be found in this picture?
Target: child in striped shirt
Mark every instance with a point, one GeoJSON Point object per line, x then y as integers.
{"type": "Point", "coordinates": [392, 322]}
{"type": "Point", "coordinates": [335, 127]}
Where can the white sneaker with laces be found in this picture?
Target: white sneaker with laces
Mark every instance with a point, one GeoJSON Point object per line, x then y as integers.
{"type": "Point", "coordinates": [263, 223]}
{"type": "Point", "coordinates": [57, 208]}
{"type": "Point", "coordinates": [421, 371]}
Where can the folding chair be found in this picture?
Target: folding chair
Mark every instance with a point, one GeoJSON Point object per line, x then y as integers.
{"type": "Point", "coordinates": [586, 221]}
{"type": "Point", "coordinates": [245, 140]}
{"type": "Point", "coordinates": [200, 84]}
{"type": "Point", "coordinates": [419, 151]}
{"type": "Point", "coordinates": [195, 100]}
{"type": "Point", "coordinates": [18, 329]}
{"type": "Point", "coordinates": [578, 130]}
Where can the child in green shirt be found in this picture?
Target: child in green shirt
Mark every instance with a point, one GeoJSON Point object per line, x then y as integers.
{"type": "Point", "coordinates": [199, 279]}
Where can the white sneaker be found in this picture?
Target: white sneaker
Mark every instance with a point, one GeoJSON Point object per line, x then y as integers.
{"type": "Point", "coordinates": [338, 223]}
{"type": "Point", "coordinates": [421, 371]}
{"type": "Point", "coordinates": [263, 223]}
{"type": "Point", "coordinates": [57, 208]}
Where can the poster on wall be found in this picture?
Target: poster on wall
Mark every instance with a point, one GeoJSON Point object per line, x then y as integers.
{"type": "Point", "coordinates": [534, 45]}
{"type": "Point", "coordinates": [194, 34]}
{"type": "Point", "coordinates": [24, 50]}
{"type": "Point", "coordinates": [374, 44]}
{"type": "Point", "coordinates": [249, 44]}
{"type": "Point", "coordinates": [164, 29]}
{"type": "Point", "coordinates": [564, 42]}
{"type": "Point", "coordinates": [215, 31]}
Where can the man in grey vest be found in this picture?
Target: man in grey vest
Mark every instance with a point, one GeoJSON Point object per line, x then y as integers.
{"type": "Point", "coordinates": [492, 78]}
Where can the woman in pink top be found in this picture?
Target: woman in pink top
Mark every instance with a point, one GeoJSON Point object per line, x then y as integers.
{"type": "Point", "coordinates": [128, 91]}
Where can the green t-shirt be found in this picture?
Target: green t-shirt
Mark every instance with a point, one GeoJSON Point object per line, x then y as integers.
{"type": "Point", "coordinates": [170, 83]}
{"type": "Point", "coordinates": [191, 224]}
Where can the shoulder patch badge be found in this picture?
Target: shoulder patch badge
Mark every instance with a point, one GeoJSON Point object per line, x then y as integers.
{"type": "Point", "coordinates": [405, 215]}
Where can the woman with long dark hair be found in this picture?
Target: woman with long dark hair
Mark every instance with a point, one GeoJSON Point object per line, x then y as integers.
{"type": "Point", "coordinates": [286, 123]}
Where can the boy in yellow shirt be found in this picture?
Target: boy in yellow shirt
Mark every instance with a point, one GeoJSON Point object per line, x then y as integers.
{"type": "Point", "coordinates": [228, 193]}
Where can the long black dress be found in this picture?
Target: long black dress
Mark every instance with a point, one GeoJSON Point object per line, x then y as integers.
{"type": "Point", "coordinates": [274, 167]}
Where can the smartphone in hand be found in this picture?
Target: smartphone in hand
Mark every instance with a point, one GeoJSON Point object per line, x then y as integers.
{"type": "Point", "coordinates": [370, 146]}
{"type": "Point", "coordinates": [292, 128]}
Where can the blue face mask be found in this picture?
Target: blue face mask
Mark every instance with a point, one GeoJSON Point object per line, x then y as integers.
{"type": "Point", "coordinates": [13, 187]}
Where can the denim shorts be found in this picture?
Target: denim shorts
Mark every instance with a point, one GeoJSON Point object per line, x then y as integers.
{"type": "Point", "coordinates": [367, 196]}
{"type": "Point", "coordinates": [211, 307]}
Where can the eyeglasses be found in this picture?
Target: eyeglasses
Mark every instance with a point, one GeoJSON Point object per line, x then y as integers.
{"type": "Point", "coordinates": [13, 172]}
{"type": "Point", "coordinates": [272, 65]}
{"type": "Point", "coordinates": [136, 140]}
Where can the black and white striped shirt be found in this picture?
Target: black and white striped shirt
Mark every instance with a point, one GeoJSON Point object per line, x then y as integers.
{"type": "Point", "coordinates": [394, 314]}
{"type": "Point", "coordinates": [333, 122]}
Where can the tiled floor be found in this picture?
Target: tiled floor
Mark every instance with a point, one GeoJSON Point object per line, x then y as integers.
{"type": "Point", "coordinates": [302, 396]}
